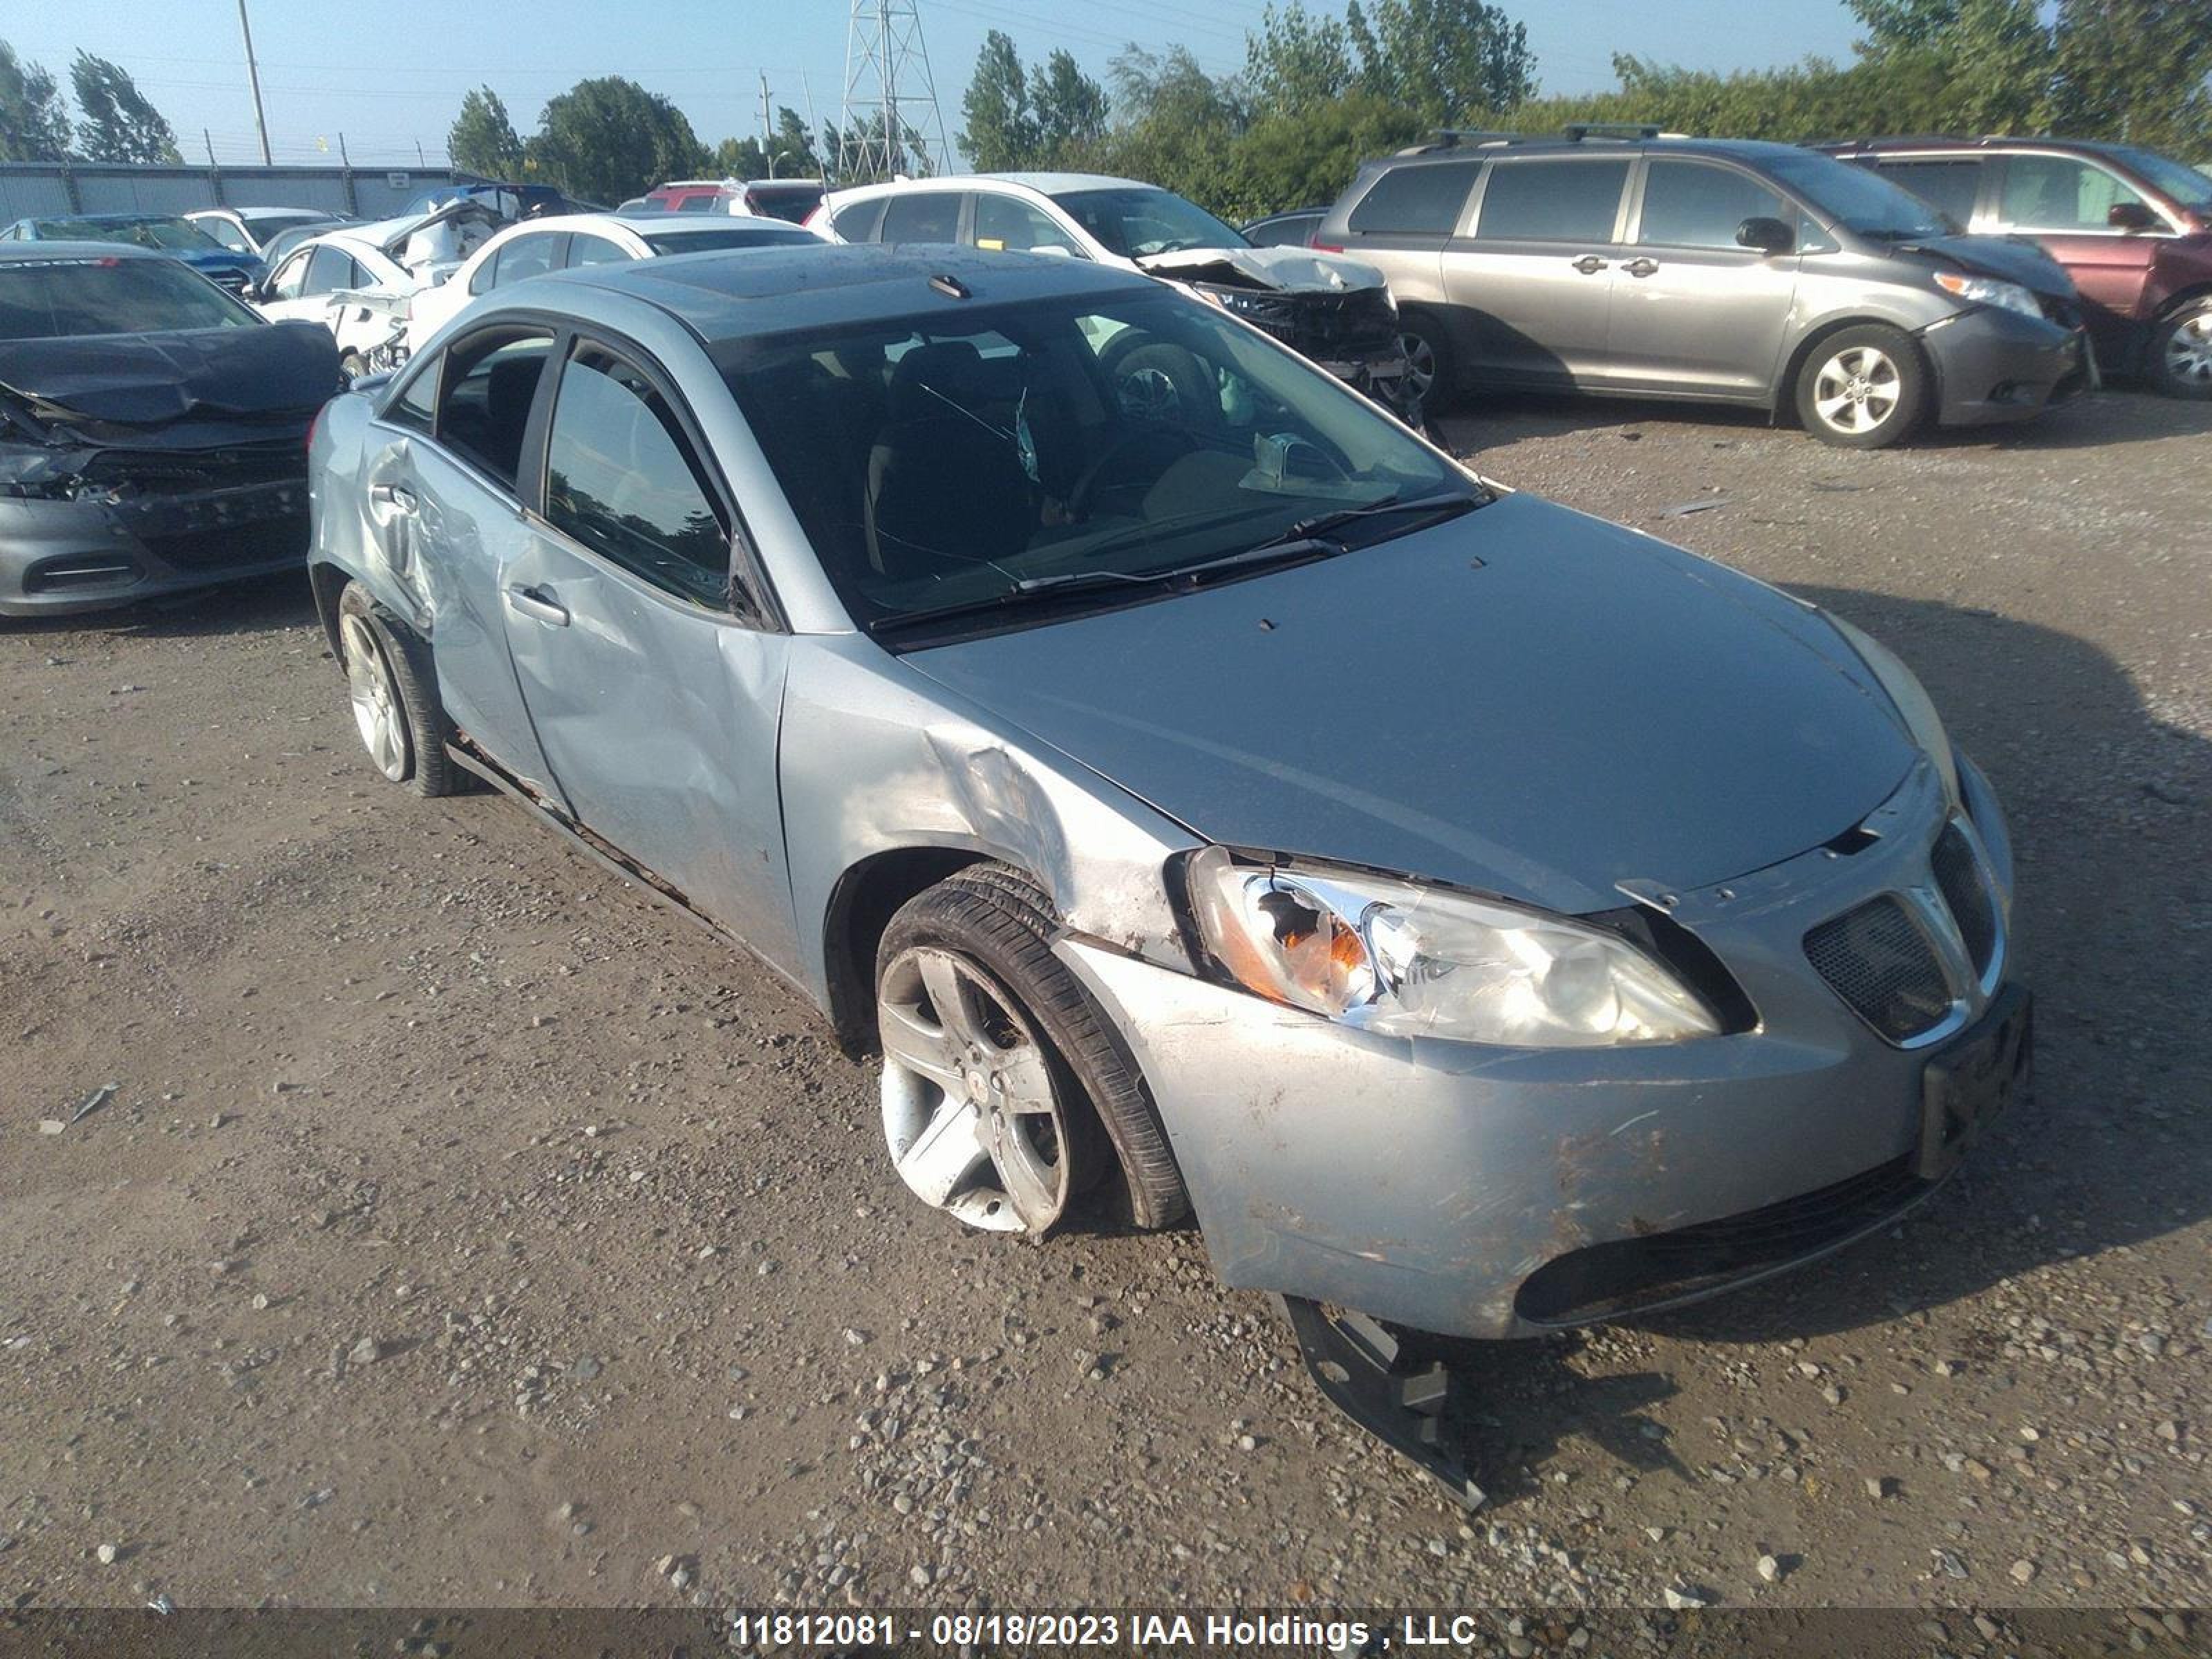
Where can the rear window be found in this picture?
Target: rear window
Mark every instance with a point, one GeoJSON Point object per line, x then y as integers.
{"type": "Point", "coordinates": [856, 221]}
{"type": "Point", "coordinates": [790, 203]}
{"type": "Point", "coordinates": [1416, 200]}
{"type": "Point", "coordinates": [740, 234]}
{"type": "Point", "coordinates": [1552, 201]}
{"type": "Point", "coordinates": [49, 298]}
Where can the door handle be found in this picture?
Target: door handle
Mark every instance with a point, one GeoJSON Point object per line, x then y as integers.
{"type": "Point", "coordinates": [1589, 265]}
{"type": "Point", "coordinates": [1641, 267]}
{"type": "Point", "coordinates": [399, 497]}
{"type": "Point", "coordinates": [537, 604]}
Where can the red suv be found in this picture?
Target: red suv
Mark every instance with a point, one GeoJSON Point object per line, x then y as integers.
{"type": "Point", "coordinates": [2132, 227]}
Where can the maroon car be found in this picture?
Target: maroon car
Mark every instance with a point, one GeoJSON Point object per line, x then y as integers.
{"type": "Point", "coordinates": [2132, 227]}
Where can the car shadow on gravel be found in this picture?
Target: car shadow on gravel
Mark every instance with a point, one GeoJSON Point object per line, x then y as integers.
{"type": "Point", "coordinates": [259, 604]}
{"type": "Point", "coordinates": [2110, 810]}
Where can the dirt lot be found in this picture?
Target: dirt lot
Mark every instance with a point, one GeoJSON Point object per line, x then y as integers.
{"type": "Point", "coordinates": [468, 1229]}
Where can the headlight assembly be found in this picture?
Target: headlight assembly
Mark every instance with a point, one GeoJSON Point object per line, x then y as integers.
{"type": "Point", "coordinates": [1404, 960]}
{"type": "Point", "coordinates": [1988, 291]}
{"type": "Point", "coordinates": [1912, 699]}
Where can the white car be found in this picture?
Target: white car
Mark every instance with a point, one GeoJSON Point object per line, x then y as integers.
{"type": "Point", "coordinates": [253, 230]}
{"type": "Point", "coordinates": [359, 282]}
{"type": "Point", "coordinates": [538, 246]}
{"type": "Point", "coordinates": [1336, 310]}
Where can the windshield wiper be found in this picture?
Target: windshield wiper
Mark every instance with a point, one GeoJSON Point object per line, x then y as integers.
{"type": "Point", "coordinates": [1319, 527]}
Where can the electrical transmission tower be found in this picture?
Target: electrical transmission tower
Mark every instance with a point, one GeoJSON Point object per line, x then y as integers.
{"type": "Point", "coordinates": [891, 122]}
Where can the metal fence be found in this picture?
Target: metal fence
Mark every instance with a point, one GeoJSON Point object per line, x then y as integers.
{"type": "Point", "coordinates": [38, 189]}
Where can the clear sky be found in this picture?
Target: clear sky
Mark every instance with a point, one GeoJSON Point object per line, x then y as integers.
{"type": "Point", "coordinates": [390, 73]}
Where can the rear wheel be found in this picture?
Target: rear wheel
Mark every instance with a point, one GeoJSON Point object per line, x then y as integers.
{"type": "Point", "coordinates": [1429, 368]}
{"type": "Point", "coordinates": [1002, 1087]}
{"type": "Point", "coordinates": [1862, 388]}
{"type": "Point", "coordinates": [2181, 352]}
{"type": "Point", "coordinates": [394, 697]}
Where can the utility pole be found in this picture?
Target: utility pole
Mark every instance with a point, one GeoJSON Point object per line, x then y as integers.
{"type": "Point", "coordinates": [253, 77]}
{"type": "Point", "coordinates": [891, 122]}
{"type": "Point", "coordinates": [768, 137]}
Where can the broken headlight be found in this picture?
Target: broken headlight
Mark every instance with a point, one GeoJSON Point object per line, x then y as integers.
{"type": "Point", "coordinates": [1911, 698]}
{"type": "Point", "coordinates": [1405, 960]}
{"type": "Point", "coordinates": [1988, 291]}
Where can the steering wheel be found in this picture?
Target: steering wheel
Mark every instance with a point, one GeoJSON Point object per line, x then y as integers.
{"type": "Point", "coordinates": [1138, 456]}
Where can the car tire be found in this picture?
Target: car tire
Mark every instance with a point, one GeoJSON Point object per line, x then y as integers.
{"type": "Point", "coordinates": [1159, 383]}
{"type": "Point", "coordinates": [1431, 372]}
{"type": "Point", "coordinates": [2181, 351]}
{"type": "Point", "coordinates": [393, 691]}
{"type": "Point", "coordinates": [1863, 388]}
{"type": "Point", "coordinates": [995, 928]}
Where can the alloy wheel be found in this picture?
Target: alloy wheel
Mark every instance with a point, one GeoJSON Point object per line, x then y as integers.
{"type": "Point", "coordinates": [971, 1112]}
{"type": "Point", "coordinates": [1856, 389]}
{"type": "Point", "coordinates": [2189, 351]}
{"type": "Point", "coordinates": [1420, 364]}
{"type": "Point", "coordinates": [375, 698]}
{"type": "Point", "coordinates": [1149, 395]}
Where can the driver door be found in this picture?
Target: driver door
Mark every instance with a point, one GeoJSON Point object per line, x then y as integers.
{"type": "Point", "coordinates": [653, 682]}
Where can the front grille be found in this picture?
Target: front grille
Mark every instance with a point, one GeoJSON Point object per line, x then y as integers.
{"type": "Point", "coordinates": [1604, 1280]}
{"type": "Point", "coordinates": [264, 542]}
{"type": "Point", "coordinates": [1958, 877]}
{"type": "Point", "coordinates": [181, 473]}
{"type": "Point", "coordinates": [1361, 318]}
{"type": "Point", "coordinates": [1877, 960]}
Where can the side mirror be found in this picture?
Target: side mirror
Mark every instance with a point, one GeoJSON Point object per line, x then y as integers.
{"type": "Point", "coordinates": [1763, 235]}
{"type": "Point", "coordinates": [2131, 215]}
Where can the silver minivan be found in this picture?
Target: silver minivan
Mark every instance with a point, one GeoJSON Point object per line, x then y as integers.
{"type": "Point", "coordinates": [1708, 269]}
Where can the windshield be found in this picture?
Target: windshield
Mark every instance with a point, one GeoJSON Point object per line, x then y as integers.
{"type": "Point", "coordinates": [175, 235]}
{"type": "Point", "coordinates": [1009, 456]}
{"type": "Point", "coordinates": [2185, 184]}
{"type": "Point", "coordinates": [1136, 220]}
{"type": "Point", "coordinates": [42, 300]}
{"type": "Point", "coordinates": [1856, 198]}
{"type": "Point", "coordinates": [707, 238]}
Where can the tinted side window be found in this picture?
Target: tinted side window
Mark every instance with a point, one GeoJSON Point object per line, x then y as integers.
{"type": "Point", "coordinates": [416, 407]}
{"type": "Point", "coordinates": [1552, 201]}
{"type": "Point", "coordinates": [2056, 193]}
{"type": "Point", "coordinates": [226, 233]}
{"type": "Point", "coordinates": [288, 283]}
{"type": "Point", "coordinates": [1416, 200]}
{"type": "Point", "coordinates": [1001, 222]}
{"type": "Point", "coordinates": [1949, 187]}
{"type": "Point", "coordinates": [484, 407]}
{"type": "Point", "coordinates": [328, 269]}
{"type": "Point", "coordinates": [621, 478]}
{"type": "Point", "coordinates": [525, 256]}
{"type": "Point", "coordinates": [859, 222]}
{"type": "Point", "coordinates": [922, 215]}
{"type": "Point", "coordinates": [593, 250]}
{"type": "Point", "coordinates": [1690, 205]}
{"type": "Point", "coordinates": [703, 202]}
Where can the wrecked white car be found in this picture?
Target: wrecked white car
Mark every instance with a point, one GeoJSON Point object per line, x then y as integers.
{"type": "Point", "coordinates": [359, 282]}
{"type": "Point", "coordinates": [1336, 310]}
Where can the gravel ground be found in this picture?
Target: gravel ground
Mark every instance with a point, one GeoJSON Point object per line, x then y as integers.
{"type": "Point", "coordinates": [467, 1230]}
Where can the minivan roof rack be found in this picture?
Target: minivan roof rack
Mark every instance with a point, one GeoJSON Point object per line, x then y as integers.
{"type": "Point", "coordinates": [1452, 137]}
{"type": "Point", "coordinates": [1577, 132]}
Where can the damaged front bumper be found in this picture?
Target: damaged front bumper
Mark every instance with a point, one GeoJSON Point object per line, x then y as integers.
{"type": "Point", "coordinates": [1352, 334]}
{"type": "Point", "coordinates": [59, 555]}
{"type": "Point", "coordinates": [1481, 1191]}
{"type": "Point", "coordinates": [1994, 366]}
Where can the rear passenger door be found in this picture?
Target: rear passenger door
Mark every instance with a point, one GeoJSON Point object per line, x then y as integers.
{"type": "Point", "coordinates": [1008, 224]}
{"type": "Point", "coordinates": [1403, 222]}
{"type": "Point", "coordinates": [2062, 201]}
{"type": "Point", "coordinates": [1531, 281]}
{"type": "Point", "coordinates": [923, 215]}
{"type": "Point", "coordinates": [653, 678]}
{"type": "Point", "coordinates": [1694, 311]}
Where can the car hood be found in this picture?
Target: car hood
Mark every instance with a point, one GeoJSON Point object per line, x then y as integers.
{"type": "Point", "coordinates": [144, 380]}
{"type": "Point", "coordinates": [2011, 258]}
{"type": "Point", "coordinates": [1290, 269]}
{"type": "Point", "coordinates": [1523, 701]}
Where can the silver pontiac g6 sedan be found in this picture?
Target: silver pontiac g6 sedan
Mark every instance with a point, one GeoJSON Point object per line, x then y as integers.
{"type": "Point", "coordinates": [1201, 792]}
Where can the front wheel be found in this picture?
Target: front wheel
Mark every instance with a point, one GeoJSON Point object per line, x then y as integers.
{"type": "Point", "coordinates": [2181, 352]}
{"type": "Point", "coordinates": [1862, 388]}
{"type": "Point", "coordinates": [1003, 1084]}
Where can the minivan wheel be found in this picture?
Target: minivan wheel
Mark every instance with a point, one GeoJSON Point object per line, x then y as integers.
{"type": "Point", "coordinates": [393, 697]}
{"type": "Point", "coordinates": [2181, 352]}
{"type": "Point", "coordinates": [1862, 388]}
{"type": "Point", "coordinates": [1428, 362]}
{"type": "Point", "coordinates": [1003, 1085]}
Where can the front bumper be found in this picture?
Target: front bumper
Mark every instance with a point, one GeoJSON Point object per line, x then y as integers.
{"type": "Point", "coordinates": [1993, 365]}
{"type": "Point", "coordinates": [1434, 1183]}
{"type": "Point", "coordinates": [62, 556]}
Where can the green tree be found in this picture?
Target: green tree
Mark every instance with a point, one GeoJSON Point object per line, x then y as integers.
{"type": "Point", "coordinates": [609, 138]}
{"type": "Point", "coordinates": [1443, 59]}
{"type": "Point", "coordinates": [1070, 109]}
{"type": "Point", "coordinates": [1306, 158]}
{"type": "Point", "coordinates": [1997, 56]}
{"type": "Point", "coordinates": [792, 148]}
{"type": "Point", "coordinates": [35, 123]}
{"type": "Point", "coordinates": [1296, 60]}
{"type": "Point", "coordinates": [1000, 129]}
{"type": "Point", "coordinates": [116, 122]}
{"type": "Point", "coordinates": [2136, 70]}
{"type": "Point", "coordinates": [482, 139]}
{"type": "Point", "coordinates": [737, 158]}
